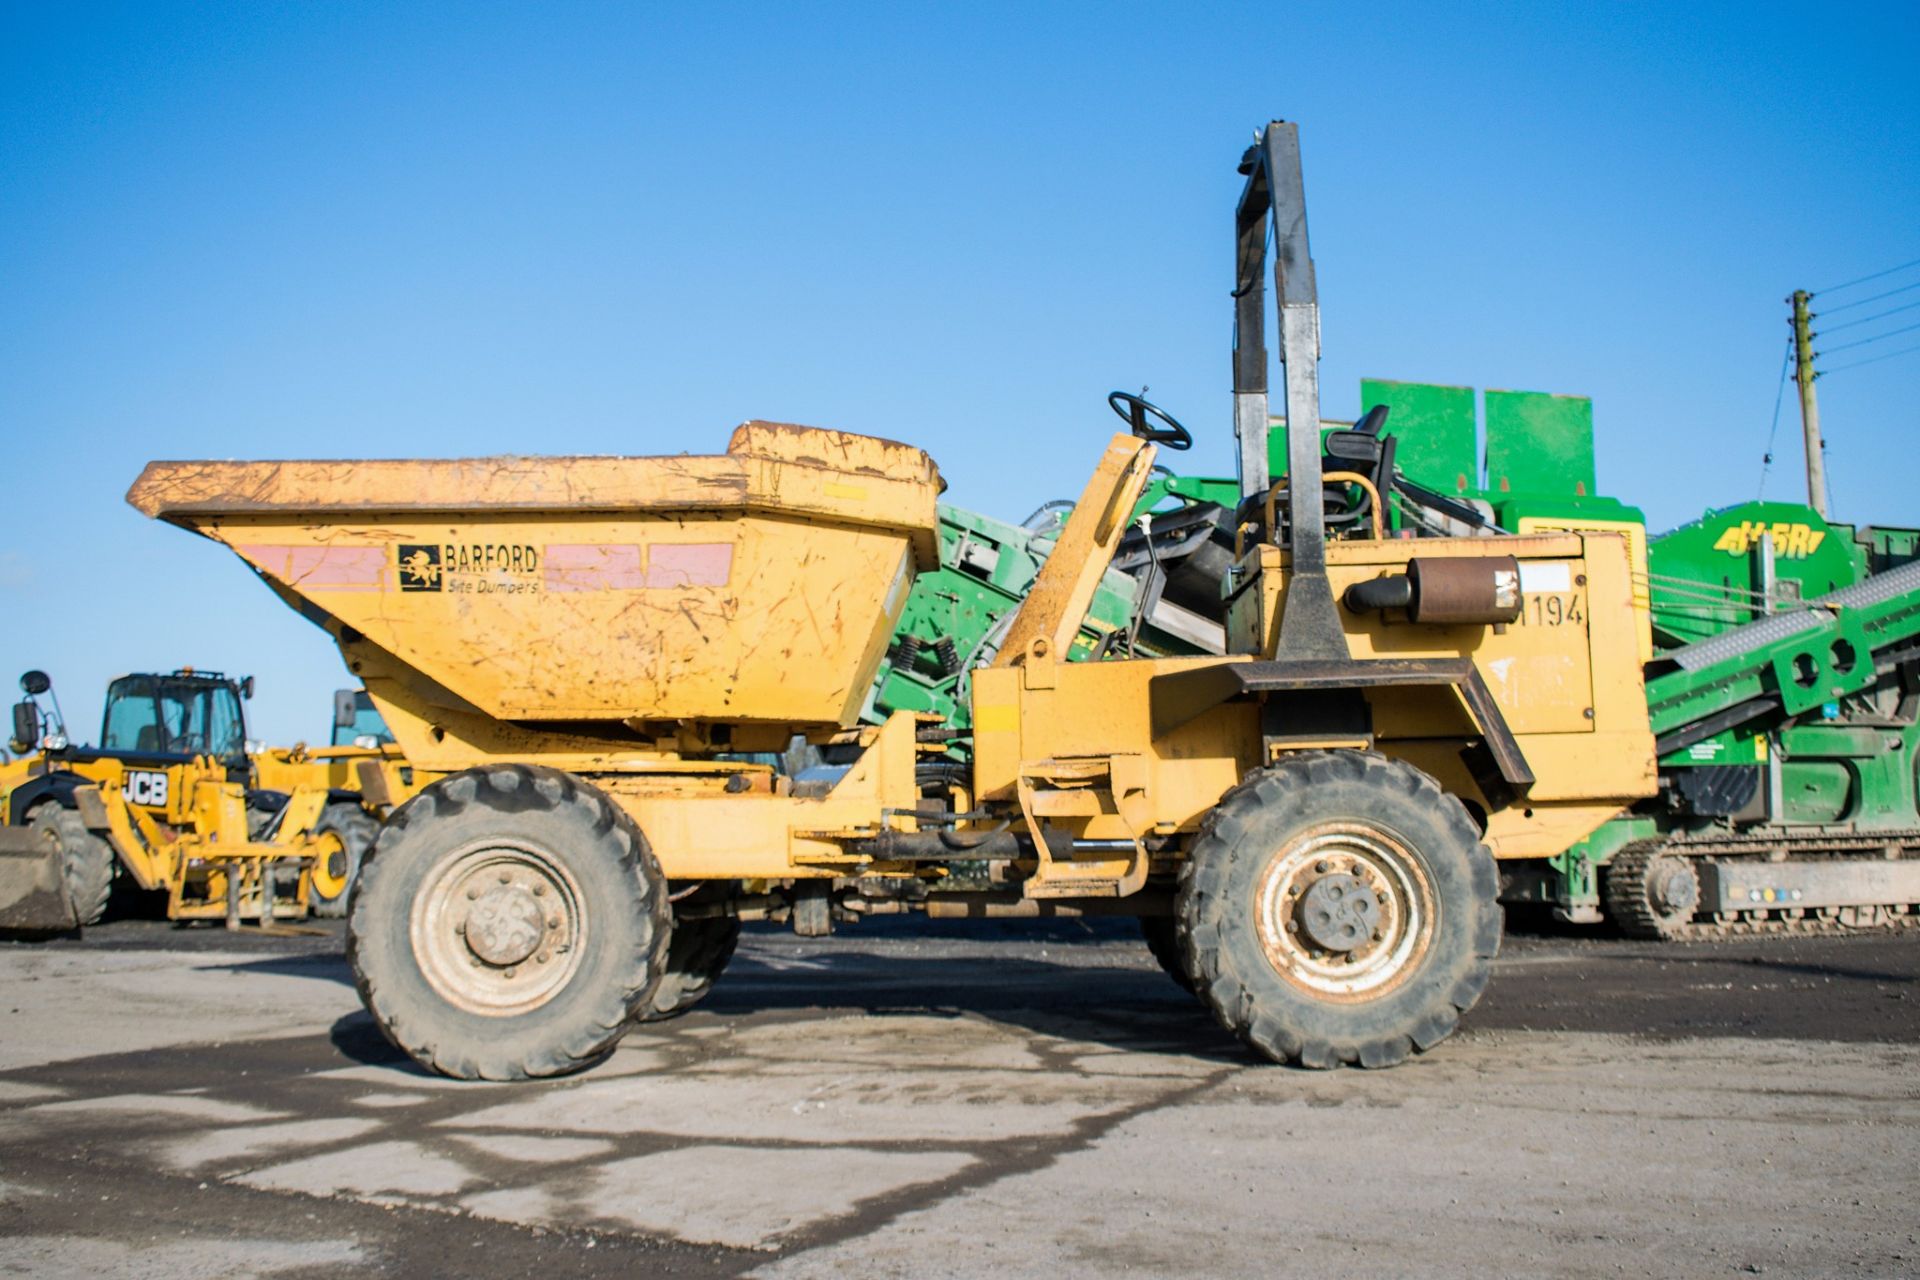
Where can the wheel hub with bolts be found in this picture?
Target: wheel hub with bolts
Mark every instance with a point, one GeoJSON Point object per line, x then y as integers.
{"type": "Point", "coordinates": [500, 928]}
{"type": "Point", "coordinates": [1345, 910]}
{"type": "Point", "coordinates": [505, 925]}
{"type": "Point", "coordinates": [1338, 912]}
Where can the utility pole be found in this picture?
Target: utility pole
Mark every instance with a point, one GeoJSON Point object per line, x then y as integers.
{"type": "Point", "coordinates": [1809, 407]}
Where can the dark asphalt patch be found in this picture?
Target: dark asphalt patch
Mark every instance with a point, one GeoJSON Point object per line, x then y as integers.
{"type": "Point", "coordinates": [111, 1199]}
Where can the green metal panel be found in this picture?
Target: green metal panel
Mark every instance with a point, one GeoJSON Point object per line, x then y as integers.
{"type": "Point", "coordinates": [1835, 664]}
{"type": "Point", "coordinates": [1185, 489]}
{"type": "Point", "coordinates": [1816, 791]}
{"type": "Point", "coordinates": [1539, 443]}
{"type": "Point", "coordinates": [1510, 509]}
{"type": "Point", "coordinates": [1888, 548]}
{"type": "Point", "coordinates": [1734, 746]}
{"type": "Point", "coordinates": [1705, 574]}
{"type": "Point", "coordinates": [1434, 426]}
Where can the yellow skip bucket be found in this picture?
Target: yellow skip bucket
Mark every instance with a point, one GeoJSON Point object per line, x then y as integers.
{"type": "Point", "coordinates": [758, 586]}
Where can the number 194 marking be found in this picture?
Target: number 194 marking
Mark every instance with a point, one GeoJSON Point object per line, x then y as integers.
{"type": "Point", "coordinates": [1552, 611]}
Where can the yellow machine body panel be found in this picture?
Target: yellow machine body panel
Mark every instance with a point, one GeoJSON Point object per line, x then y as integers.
{"type": "Point", "coordinates": [382, 777]}
{"type": "Point", "coordinates": [1565, 676]}
{"type": "Point", "coordinates": [1636, 535]}
{"type": "Point", "coordinates": [617, 595]}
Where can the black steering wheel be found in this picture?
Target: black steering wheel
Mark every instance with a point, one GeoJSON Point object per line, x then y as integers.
{"type": "Point", "coordinates": [1136, 411]}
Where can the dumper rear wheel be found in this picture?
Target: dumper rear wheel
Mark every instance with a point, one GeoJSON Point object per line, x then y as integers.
{"type": "Point", "coordinates": [1163, 941]}
{"type": "Point", "coordinates": [508, 923]}
{"type": "Point", "coordinates": [1338, 907]}
{"type": "Point", "coordinates": [695, 959]}
{"type": "Point", "coordinates": [86, 860]}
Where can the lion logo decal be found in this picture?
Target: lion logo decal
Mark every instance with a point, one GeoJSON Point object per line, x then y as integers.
{"type": "Point", "coordinates": [419, 566]}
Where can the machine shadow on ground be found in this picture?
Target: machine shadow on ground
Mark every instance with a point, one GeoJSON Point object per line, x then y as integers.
{"type": "Point", "coordinates": [1091, 981]}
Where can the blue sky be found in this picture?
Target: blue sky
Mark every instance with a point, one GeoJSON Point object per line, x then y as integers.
{"type": "Point", "coordinates": [378, 230]}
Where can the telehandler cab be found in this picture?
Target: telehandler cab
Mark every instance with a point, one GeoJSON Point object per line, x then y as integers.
{"type": "Point", "coordinates": [603, 653]}
{"type": "Point", "coordinates": [176, 799]}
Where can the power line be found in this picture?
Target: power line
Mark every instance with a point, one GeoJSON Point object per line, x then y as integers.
{"type": "Point", "coordinates": [1905, 288]}
{"type": "Point", "coordinates": [1904, 351]}
{"type": "Point", "coordinates": [1890, 311]}
{"type": "Point", "coordinates": [1845, 346]}
{"type": "Point", "coordinates": [1766, 459]}
{"type": "Point", "coordinates": [1834, 288]}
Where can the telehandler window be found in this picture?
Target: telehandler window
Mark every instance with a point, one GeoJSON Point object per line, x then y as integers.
{"type": "Point", "coordinates": [133, 719]}
{"type": "Point", "coordinates": [173, 716]}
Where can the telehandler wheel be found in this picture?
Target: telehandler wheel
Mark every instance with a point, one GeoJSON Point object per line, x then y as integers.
{"type": "Point", "coordinates": [508, 923]}
{"type": "Point", "coordinates": [1163, 941]}
{"type": "Point", "coordinates": [696, 957]}
{"type": "Point", "coordinates": [87, 861]}
{"type": "Point", "coordinates": [1338, 907]}
{"type": "Point", "coordinates": [333, 878]}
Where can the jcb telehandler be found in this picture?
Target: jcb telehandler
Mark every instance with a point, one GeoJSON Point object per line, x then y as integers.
{"type": "Point", "coordinates": [601, 651]}
{"type": "Point", "coordinates": [175, 799]}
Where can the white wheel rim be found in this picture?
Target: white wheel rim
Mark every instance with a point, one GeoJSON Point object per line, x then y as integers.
{"type": "Point", "coordinates": [498, 927]}
{"type": "Point", "coordinates": [1404, 910]}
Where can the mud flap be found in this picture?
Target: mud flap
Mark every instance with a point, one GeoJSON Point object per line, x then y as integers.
{"type": "Point", "coordinates": [33, 884]}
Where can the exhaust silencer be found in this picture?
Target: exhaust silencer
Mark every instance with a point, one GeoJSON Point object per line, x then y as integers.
{"type": "Point", "coordinates": [1449, 591]}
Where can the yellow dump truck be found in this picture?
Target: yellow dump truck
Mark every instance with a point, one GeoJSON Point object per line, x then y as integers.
{"type": "Point", "coordinates": [600, 653]}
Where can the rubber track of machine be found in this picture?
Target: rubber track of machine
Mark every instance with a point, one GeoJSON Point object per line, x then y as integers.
{"type": "Point", "coordinates": [697, 955]}
{"type": "Point", "coordinates": [86, 860]}
{"type": "Point", "coordinates": [1628, 905]}
{"type": "Point", "coordinates": [1203, 881]}
{"type": "Point", "coordinates": [486, 786]}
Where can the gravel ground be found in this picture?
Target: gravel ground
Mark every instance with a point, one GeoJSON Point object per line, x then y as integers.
{"type": "Point", "coordinates": [914, 1099]}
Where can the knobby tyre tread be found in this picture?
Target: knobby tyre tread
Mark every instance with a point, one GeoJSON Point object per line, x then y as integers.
{"type": "Point", "coordinates": [357, 830]}
{"type": "Point", "coordinates": [625, 907]}
{"type": "Point", "coordinates": [1214, 911]}
{"type": "Point", "coordinates": [86, 861]}
{"type": "Point", "coordinates": [696, 957]}
{"type": "Point", "coordinates": [1163, 941]}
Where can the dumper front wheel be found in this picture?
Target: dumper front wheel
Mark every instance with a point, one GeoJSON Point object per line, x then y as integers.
{"type": "Point", "coordinates": [508, 923]}
{"type": "Point", "coordinates": [1338, 907]}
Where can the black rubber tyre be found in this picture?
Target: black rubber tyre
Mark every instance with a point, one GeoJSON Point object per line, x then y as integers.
{"type": "Point", "coordinates": [508, 923]}
{"type": "Point", "coordinates": [357, 830]}
{"type": "Point", "coordinates": [87, 860]}
{"type": "Point", "coordinates": [1267, 858]}
{"type": "Point", "coordinates": [1164, 942]}
{"type": "Point", "coordinates": [696, 957]}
